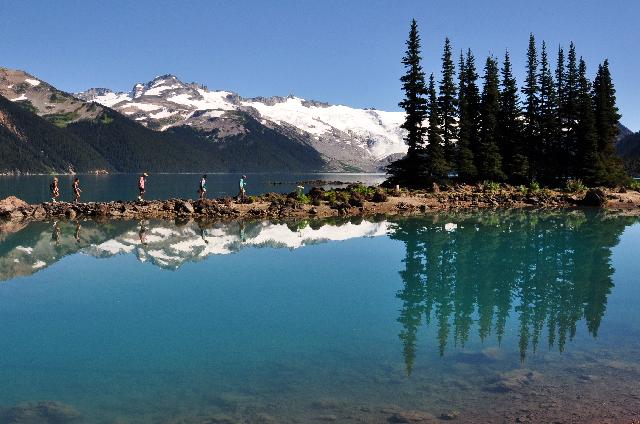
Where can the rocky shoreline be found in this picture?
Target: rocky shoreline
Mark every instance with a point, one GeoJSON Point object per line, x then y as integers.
{"type": "Point", "coordinates": [354, 200]}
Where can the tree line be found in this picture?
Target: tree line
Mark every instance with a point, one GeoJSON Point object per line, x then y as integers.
{"type": "Point", "coordinates": [559, 125]}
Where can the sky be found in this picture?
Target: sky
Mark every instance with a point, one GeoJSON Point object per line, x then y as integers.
{"type": "Point", "coordinates": [338, 51]}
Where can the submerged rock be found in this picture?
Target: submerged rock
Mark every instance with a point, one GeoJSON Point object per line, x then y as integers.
{"type": "Point", "coordinates": [412, 417]}
{"type": "Point", "coordinates": [43, 412]}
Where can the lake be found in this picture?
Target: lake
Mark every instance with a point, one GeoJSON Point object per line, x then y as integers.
{"type": "Point", "coordinates": [101, 188]}
{"type": "Point", "coordinates": [476, 316]}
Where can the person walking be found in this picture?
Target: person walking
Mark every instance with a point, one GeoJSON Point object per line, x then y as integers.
{"type": "Point", "coordinates": [76, 189]}
{"type": "Point", "coordinates": [55, 190]}
{"type": "Point", "coordinates": [242, 195]}
{"type": "Point", "coordinates": [141, 185]}
{"type": "Point", "coordinates": [202, 189]}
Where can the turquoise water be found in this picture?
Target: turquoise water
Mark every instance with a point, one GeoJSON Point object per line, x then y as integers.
{"type": "Point", "coordinates": [310, 321]}
{"type": "Point", "coordinates": [100, 188]}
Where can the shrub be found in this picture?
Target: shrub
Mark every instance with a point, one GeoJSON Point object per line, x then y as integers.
{"type": "Point", "coordinates": [303, 198]}
{"type": "Point", "coordinates": [491, 186]}
{"type": "Point", "coordinates": [575, 186]}
{"type": "Point", "coordinates": [523, 189]}
{"type": "Point", "coordinates": [534, 187]}
{"type": "Point", "coordinates": [634, 185]}
{"type": "Point", "coordinates": [367, 192]}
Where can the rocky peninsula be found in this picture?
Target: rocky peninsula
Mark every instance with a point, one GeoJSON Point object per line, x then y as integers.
{"type": "Point", "coordinates": [353, 200]}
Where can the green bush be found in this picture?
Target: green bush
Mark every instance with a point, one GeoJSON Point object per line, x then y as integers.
{"type": "Point", "coordinates": [575, 186]}
{"type": "Point", "coordinates": [634, 185]}
{"type": "Point", "coordinates": [534, 187]}
{"type": "Point", "coordinates": [367, 192]}
{"type": "Point", "coordinates": [303, 198]}
{"type": "Point", "coordinates": [523, 190]}
{"type": "Point", "coordinates": [491, 186]}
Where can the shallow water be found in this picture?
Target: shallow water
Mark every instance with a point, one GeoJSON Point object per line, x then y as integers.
{"type": "Point", "coordinates": [353, 320]}
{"type": "Point", "coordinates": [101, 188]}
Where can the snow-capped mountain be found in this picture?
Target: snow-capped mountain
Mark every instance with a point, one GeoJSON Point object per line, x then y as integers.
{"type": "Point", "coordinates": [347, 138]}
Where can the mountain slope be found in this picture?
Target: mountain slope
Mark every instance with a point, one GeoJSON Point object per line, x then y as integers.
{"type": "Point", "coordinates": [629, 149]}
{"type": "Point", "coordinates": [30, 143]}
{"type": "Point", "coordinates": [71, 135]}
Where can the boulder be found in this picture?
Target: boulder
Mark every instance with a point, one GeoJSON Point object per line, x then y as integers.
{"type": "Point", "coordinates": [594, 197]}
{"type": "Point", "coordinates": [12, 207]}
{"type": "Point", "coordinates": [316, 193]}
{"type": "Point", "coordinates": [356, 200]}
{"type": "Point", "coordinates": [183, 206]}
{"type": "Point", "coordinates": [379, 196]}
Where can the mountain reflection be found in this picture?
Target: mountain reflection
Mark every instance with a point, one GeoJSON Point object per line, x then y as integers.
{"type": "Point", "coordinates": [26, 249]}
{"type": "Point", "coordinates": [466, 273]}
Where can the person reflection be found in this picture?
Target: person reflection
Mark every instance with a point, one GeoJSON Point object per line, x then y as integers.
{"type": "Point", "coordinates": [242, 231]}
{"type": "Point", "coordinates": [142, 234]}
{"type": "Point", "coordinates": [55, 233]}
{"type": "Point", "coordinates": [77, 232]}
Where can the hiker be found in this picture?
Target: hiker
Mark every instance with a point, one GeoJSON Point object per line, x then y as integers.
{"type": "Point", "coordinates": [243, 185]}
{"type": "Point", "coordinates": [76, 189]}
{"type": "Point", "coordinates": [202, 190]}
{"type": "Point", "coordinates": [141, 185]}
{"type": "Point", "coordinates": [55, 190]}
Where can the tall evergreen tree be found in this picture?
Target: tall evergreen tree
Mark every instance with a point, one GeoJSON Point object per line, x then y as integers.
{"type": "Point", "coordinates": [489, 163]}
{"type": "Point", "coordinates": [610, 170]}
{"type": "Point", "coordinates": [531, 120]}
{"type": "Point", "coordinates": [436, 161]}
{"type": "Point", "coordinates": [568, 113]}
{"type": "Point", "coordinates": [469, 105]}
{"type": "Point", "coordinates": [447, 103]}
{"type": "Point", "coordinates": [585, 129]}
{"type": "Point", "coordinates": [548, 150]}
{"type": "Point", "coordinates": [561, 118]}
{"type": "Point", "coordinates": [409, 170]}
{"type": "Point", "coordinates": [510, 138]}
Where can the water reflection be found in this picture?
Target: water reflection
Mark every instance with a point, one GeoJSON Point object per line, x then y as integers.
{"type": "Point", "coordinates": [462, 273]}
{"type": "Point", "coordinates": [465, 273]}
{"type": "Point", "coordinates": [28, 249]}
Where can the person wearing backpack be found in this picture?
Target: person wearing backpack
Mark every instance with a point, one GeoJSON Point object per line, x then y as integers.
{"type": "Point", "coordinates": [202, 189]}
{"type": "Point", "coordinates": [141, 185]}
{"type": "Point", "coordinates": [76, 189]}
{"type": "Point", "coordinates": [55, 190]}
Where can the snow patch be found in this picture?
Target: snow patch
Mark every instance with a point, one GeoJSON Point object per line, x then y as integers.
{"type": "Point", "coordinates": [33, 82]}
{"type": "Point", "coordinates": [39, 264]}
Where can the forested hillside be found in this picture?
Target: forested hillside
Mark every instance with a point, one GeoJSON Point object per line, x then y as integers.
{"type": "Point", "coordinates": [30, 143]}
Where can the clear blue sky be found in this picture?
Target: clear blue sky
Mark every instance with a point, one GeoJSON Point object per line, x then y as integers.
{"type": "Point", "coordinates": [345, 52]}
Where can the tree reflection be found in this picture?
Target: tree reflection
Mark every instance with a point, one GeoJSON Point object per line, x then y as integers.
{"type": "Point", "coordinates": [473, 270]}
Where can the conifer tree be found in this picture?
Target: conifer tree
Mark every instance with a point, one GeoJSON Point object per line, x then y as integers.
{"type": "Point", "coordinates": [447, 103]}
{"type": "Point", "coordinates": [408, 170]}
{"type": "Point", "coordinates": [469, 104]}
{"type": "Point", "coordinates": [585, 129]}
{"type": "Point", "coordinates": [489, 163]}
{"type": "Point", "coordinates": [510, 138]}
{"type": "Point", "coordinates": [531, 108]}
{"type": "Point", "coordinates": [610, 171]}
{"type": "Point", "coordinates": [561, 119]}
{"type": "Point", "coordinates": [569, 112]}
{"type": "Point", "coordinates": [548, 150]}
{"type": "Point", "coordinates": [436, 162]}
